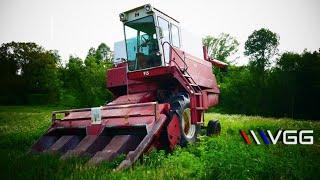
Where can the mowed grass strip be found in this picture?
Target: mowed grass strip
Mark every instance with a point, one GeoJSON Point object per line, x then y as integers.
{"type": "Point", "coordinates": [220, 157]}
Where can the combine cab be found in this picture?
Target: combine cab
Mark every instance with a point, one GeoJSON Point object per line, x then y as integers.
{"type": "Point", "coordinates": [161, 94]}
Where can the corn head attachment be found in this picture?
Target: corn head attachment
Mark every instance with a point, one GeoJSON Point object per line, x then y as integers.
{"type": "Point", "coordinates": [105, 132]}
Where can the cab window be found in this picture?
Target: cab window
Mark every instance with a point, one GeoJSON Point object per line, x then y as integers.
{"type": "Point", "coordinates": [175, 36]}
{"type": "Point", "coordinates": [164, 25]}
{"type": "Point", "coordinates": [141, 44]}
{"type": "Point", "coordinates": [165, 29]}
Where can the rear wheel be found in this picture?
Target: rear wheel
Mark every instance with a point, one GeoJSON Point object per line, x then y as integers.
{"type": "Point", "coordinates": [213, 128]}
{"type": "Point", "coordinates": [181, 106]}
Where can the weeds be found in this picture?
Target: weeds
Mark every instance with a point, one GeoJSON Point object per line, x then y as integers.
{"type": "Point", "coordinates": [220, 157]}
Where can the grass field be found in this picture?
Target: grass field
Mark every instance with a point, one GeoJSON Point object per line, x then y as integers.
{"type": "Point", "coordinates": [222, 157]}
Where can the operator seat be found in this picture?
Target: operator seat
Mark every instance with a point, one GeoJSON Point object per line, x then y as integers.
{"type": "Point", "coordinates": [142, 61]}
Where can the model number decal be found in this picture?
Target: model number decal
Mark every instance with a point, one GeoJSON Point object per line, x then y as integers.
{"type": "Point", "coordinates": [146, 73]}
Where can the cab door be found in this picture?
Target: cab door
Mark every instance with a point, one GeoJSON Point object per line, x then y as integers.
{"type": "Point", "coordinates": [165, 30]}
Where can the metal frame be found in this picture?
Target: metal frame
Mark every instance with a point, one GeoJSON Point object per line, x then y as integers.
{"type": "Point", "coordinates": [107, 107]}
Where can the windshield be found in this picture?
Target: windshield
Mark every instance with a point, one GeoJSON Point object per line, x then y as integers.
{"type": "Point", "coordinates": [141, 44]}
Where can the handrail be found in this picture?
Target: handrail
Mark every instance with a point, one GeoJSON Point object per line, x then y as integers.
{"type": "Point", "coordinates": [183, 60]}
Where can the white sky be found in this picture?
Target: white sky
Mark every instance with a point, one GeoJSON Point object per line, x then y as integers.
{"type": "Point", "coordinates": [73, 26]}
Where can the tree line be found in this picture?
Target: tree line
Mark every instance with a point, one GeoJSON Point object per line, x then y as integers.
{"type": "Point", "coordinates": [31, 75]}
{"type": "Point", "coordinates": [271, 84]}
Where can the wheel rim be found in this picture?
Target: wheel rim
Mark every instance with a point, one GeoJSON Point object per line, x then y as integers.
{"type": "Point", "coordinates": [187, 128]}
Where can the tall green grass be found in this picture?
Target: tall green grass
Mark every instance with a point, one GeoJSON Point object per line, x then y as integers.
{"type": "Point", "coordinates": [221, 157]}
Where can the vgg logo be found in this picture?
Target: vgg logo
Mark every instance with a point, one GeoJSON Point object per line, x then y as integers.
{"type": "Point", "coordinates": [286, 136]}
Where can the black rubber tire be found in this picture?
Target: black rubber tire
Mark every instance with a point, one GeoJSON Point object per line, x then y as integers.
{"type": "Point", "coordinates": [178, 105]}
{"type": "Point", "coordinates": [213, 128]}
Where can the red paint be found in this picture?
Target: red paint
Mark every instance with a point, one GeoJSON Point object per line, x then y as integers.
{"type": "Point", "coordinates": [245, 137]}
{"type": "Point", "coordinates": [214, 62]}
{"type": "Point", "coordinates": [205, 53]}
{"type": "Point", "coordinates": [148, 73]}
{"type": "Point", "coordinates": [143, 85]}
{"type": "Point", "coordinates": [94, 129]}
{"type": "Point", "coordinates": [199, 69]}
{"type": "Point", "coordinates": [116, 76]}
{"type": "Point", "coordinates": [218, 63]}
{"type": "Point", "coordinates": [173, 130]}
{"type": "Point", "coordinates": [134, 98]}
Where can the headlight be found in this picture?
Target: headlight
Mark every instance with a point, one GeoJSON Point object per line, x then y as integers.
{"type": "Point", "coordinates": [123, 17]}
{"type": "Point", "coordinates": [148, 8]}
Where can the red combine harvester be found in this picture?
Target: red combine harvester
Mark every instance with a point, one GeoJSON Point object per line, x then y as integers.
{"type": "Point", "coordinates": [161, 95]}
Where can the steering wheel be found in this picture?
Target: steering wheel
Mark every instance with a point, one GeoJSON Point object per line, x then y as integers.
{"type": "Point", "coordinates": [145, 40]}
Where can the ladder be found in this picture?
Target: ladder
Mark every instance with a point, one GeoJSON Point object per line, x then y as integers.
{"type": "Point", "coordinates": [196, 102]}
{"type": "Point", "coordinates": [194, 90]}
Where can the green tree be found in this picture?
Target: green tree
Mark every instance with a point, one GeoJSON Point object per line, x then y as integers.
{"type": "Point", "coordinates": [236, 90]}
{"type": "Point", "coordinates": [30, 73]}
{"type": "Point", "coordinates": [72, 84]}
{"type": "Point", "coordinates": [85, 80]}
{"type": "Point", "coordinates": [261, 46]}
{"type": "Point", "coordinates": [299, 82]}
{"type": "Point", "coordinates": [221, 47]}
{"type": "Point", "coordinates": [102, 53]}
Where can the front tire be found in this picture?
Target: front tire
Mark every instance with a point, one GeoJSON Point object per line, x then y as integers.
{"type": "Point", "coordinates": [181, 106]}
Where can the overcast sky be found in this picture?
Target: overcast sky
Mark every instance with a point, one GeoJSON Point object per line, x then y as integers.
{"type": "Point", "coordinates": [73, 26]}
